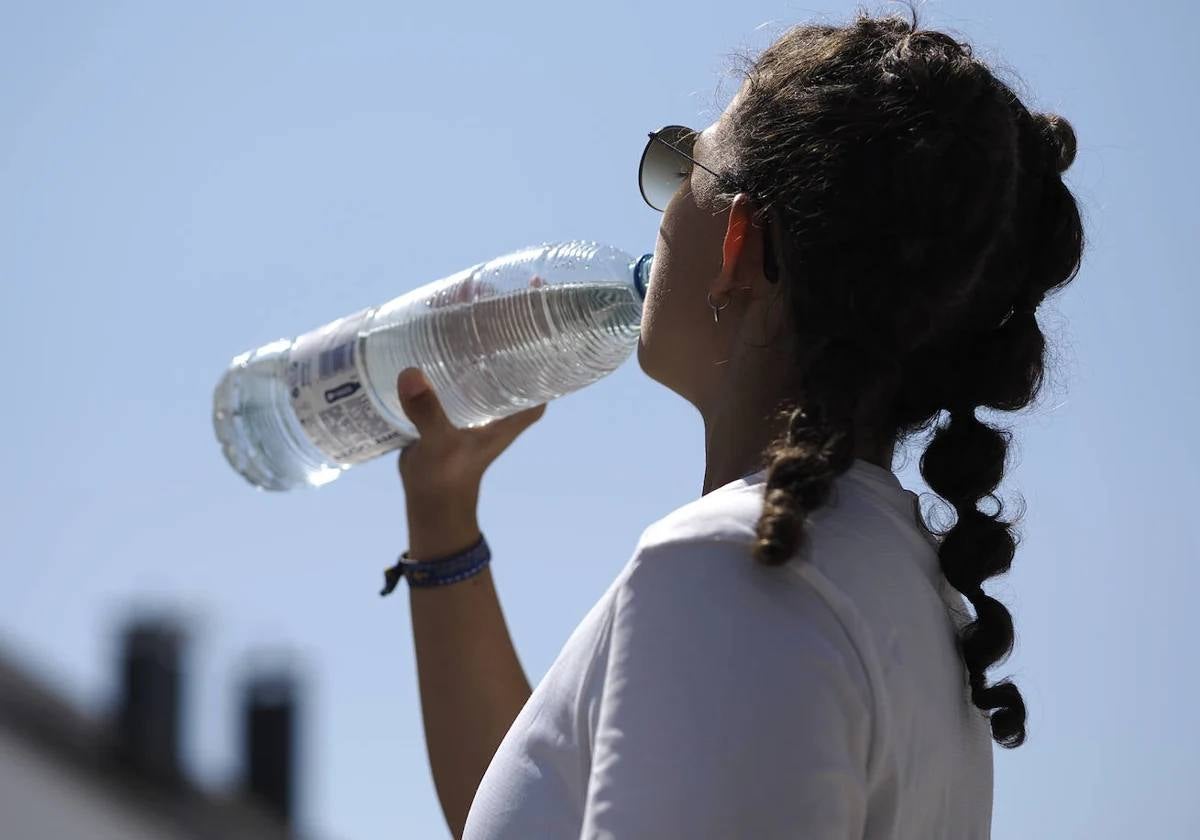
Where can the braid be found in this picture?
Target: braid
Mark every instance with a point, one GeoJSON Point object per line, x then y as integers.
{"type": "Point", "coordinates": [963, 464]}
{"type": "Point", "coordinates": [844, 380]}
{"type": "Point", "coordinates": [799, 479]}
{"type": "Point", "coordinates": [920, 218]}
{"type": "Point", "coordinates": [974, 365]}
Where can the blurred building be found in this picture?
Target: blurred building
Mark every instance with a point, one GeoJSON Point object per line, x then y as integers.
{"type": "Point", "coordinates": [68, 776]}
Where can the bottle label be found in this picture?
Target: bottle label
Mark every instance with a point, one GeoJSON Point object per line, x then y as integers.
{"type": "Point", "coordinates": [328, 396]}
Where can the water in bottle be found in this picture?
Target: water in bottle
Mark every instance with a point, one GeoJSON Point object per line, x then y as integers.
{"type": "Point", "coordinates": [492, 340]}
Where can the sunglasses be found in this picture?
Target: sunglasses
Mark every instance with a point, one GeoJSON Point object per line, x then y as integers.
{"type": "Point", "coordinates": [667, 162]}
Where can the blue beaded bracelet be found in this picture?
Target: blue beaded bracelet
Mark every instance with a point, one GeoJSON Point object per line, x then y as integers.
{"type": "Point", "coordinates": [441, 571]}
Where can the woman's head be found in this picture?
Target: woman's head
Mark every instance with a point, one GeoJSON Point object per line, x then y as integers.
{"type": "Point", "coordinates": [914, 212]}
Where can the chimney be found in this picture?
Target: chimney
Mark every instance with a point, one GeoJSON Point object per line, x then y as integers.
{"type": "Point", "coordinates": [269, 727]}
{"type": "Point", "coordinates": [148, 709]}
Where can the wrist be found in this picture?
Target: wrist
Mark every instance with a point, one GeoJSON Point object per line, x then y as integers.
{"type": "Point", "coordinates": [440, 570]}
{"type": "Point", "coordinates": [441, 534]}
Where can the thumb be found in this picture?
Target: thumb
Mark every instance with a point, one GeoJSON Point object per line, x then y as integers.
{"type": "Point", "coordinates": [498, 434]}
{"type": "Point", "coordinates": [419, 402]}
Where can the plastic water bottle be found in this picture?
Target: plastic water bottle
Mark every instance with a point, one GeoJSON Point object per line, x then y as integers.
{"type": "Point", "coordinates": [492, 339]}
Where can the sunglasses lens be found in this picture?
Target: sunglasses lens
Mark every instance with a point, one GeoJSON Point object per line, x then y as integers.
{"type": "Point", "coordinates": [663, 169]}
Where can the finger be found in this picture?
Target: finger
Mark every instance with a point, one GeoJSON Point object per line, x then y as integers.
{"type": "Point", "coordinates": [420, 402]}
{"type": "Point", "coordinates": [504, 431]}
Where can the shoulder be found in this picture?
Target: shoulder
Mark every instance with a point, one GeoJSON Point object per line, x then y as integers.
{"type": "Point", "coordinates": [696, 583]}
{"type": "Point", "coordinates": [698, 561]}
{"type": "Point", "coordinates": [701, 632]}
{"type": "Point", "coordinates": [723, 516]}
{"type": "Point", "coordinates": [702, 553]}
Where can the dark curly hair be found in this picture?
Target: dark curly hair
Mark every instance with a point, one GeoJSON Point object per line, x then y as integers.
{"type": "Point", "coordinates": [917, 210]}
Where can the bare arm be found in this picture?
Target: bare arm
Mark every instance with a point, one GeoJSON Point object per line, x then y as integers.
{"type": "Point", "coordinates": [472, 685]}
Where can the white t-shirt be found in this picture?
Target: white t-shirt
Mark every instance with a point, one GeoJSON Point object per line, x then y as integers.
{"type": "Point", "coordinates": [706, 695]}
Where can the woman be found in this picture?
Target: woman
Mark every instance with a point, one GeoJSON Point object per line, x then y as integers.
{"type": "Point", "coordinates": [849, 257]}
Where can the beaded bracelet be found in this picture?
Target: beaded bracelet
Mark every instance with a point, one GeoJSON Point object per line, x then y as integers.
{"type": "Point", "coordinates": [441, 571]}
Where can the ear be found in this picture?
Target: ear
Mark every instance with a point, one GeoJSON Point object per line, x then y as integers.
{"type": "Point", "coordinates": [742, 251]}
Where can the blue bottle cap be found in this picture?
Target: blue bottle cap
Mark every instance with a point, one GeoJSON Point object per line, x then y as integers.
{"type": "Point", "coordinates": [641, 273]}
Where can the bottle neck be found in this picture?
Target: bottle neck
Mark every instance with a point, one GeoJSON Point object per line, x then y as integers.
{"type": "Point", "coordinates": [641, 273]}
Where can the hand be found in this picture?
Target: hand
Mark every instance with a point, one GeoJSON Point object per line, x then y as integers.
{"type": "Point", "coordinates": [442, 470]}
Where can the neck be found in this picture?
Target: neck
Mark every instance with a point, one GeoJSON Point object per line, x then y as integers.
{"type": "Point", "coordinates": [733, 446]}
{"type": "Point", "coordinates": [740, 410]}
{"type": "Point", "coordinates": [740, 426]}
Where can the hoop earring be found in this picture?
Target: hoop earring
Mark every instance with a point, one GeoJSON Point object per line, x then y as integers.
{"type": "Point", "coordinates": [716, 309]}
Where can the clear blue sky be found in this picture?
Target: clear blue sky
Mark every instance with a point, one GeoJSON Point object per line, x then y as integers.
{"type": "Point", "coordinates": [180, 182]}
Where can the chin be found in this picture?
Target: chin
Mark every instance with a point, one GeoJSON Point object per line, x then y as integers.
{"type": "Point", "coordinates": [654, 370]}
{"type": "Point", "coordinates": [645, 358]}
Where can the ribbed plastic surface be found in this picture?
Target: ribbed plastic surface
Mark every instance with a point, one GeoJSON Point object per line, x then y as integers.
{"type": "Point", "coordinates": [508, 334]}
